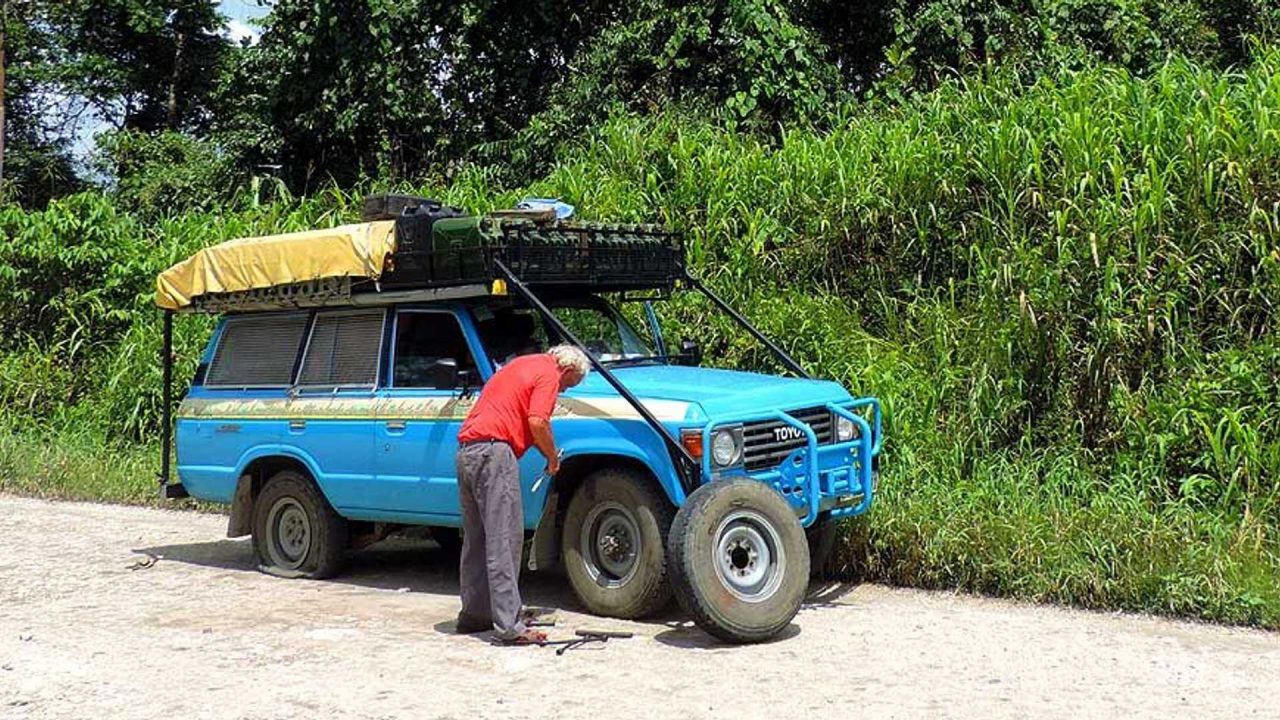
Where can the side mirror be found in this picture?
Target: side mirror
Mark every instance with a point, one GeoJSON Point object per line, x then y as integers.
{"type": "Point", "coordinates": [690, 352]}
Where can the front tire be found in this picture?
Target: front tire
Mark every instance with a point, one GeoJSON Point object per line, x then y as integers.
{"type": "Point", "coordinates": [296, 533]}
{"type": "Point", "coordinates": [740, 561]}
{"type": "Point", "coordinates": [613, 544]}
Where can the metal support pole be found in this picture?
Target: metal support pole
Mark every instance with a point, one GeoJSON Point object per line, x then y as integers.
{"type": "Point", "coordinates": [746, 324]}
{"type": "Point", "coordinates": [686, 466]}
{"type": "Point", "coordinates": [166, 409]}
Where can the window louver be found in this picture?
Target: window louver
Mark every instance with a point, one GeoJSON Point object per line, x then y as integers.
{"type": "Point", "coordinates": [343, 349]}
{"type": "Point", "coordinates": [257, 351]}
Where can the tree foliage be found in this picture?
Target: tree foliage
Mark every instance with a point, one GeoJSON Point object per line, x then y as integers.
{"type": "Point", "coordinates": [344, 90]}
{"type": "Point", "coordinates": [144, 65]}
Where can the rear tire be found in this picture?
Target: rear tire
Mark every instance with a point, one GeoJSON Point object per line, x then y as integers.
{"type": "Point", "coordinates": [296, 533]}
{"type": "Point", "coordinates": [613, 548]}
{"type": "Point", "coordinates": [740, 561]}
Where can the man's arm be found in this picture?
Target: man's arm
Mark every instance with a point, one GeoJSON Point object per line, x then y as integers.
{"type": "Point", "coordinates": [541, 404]}
{"type": "Point", "coordinates": [546, 444]}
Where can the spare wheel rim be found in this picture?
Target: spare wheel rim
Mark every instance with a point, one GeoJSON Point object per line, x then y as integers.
{"type": "Point", "coordinates": [748, 556]}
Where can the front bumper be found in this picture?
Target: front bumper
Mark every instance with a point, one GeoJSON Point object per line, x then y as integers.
{"type": "Point", "coordinates": [838, 478]}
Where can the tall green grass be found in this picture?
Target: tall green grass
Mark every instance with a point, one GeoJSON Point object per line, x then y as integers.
{"type": "Point", "coordinates": [1065, 294]}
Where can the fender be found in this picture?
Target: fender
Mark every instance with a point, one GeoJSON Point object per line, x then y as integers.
{"type": "Point", "coordinates": [635, 442]}
{"type": "Point", "coordinates": [259, 452]}
{"type": "Point", "coordinates": [240, 522]}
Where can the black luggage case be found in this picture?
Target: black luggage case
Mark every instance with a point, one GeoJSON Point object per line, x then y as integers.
{"type": "Point", "coordinates": [389, 206]}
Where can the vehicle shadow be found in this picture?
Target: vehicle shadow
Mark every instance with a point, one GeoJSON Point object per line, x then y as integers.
{"type": "Point", "coordinates": [417, 565]}
{"type": "Point", "coordinates": [403, 564]}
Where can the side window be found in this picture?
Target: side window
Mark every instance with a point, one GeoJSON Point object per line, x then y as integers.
{"type": "Point", "coordinates": [257, 351]}
{"type": "Point", "coordinates": [423, 339]}
{"type": "Point", "coordinates": [510, 332]}
{"type": "Point", "coordinates": [343, 349]}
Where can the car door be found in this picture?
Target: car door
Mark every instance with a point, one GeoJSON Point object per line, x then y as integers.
{"type": "Point", "coordinates": [420, 409]}
{"type": "Point", "coordinates": [331, 411]}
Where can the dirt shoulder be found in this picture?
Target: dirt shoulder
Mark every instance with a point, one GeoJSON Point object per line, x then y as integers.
{"type": "Point", "coordinates": [202, 634]}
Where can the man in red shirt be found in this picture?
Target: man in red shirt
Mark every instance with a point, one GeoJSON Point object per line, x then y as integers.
{"type": "Point", "coordinates": [512, 414]}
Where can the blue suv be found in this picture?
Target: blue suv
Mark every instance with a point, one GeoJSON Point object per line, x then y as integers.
{"type": "Point", "coordinates": [326, 427]}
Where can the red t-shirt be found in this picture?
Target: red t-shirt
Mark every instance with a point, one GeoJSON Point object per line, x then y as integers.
{"type": "Point", "coordinates": [524, 388]}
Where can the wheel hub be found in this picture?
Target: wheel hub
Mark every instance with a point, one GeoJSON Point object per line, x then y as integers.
{"type": "Point", "coordinates": [610, 544]}
{"type": "Point", "coordinates": [289, 533]}
{"type": "Point", "coordinates": [749, 559]}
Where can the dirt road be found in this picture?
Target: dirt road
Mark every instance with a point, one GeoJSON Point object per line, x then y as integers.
{"type": "Point", "coordinates": [201, 634]}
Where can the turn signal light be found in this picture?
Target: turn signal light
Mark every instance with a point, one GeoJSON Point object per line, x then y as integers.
{"type": "Point", "coordinates": [692, 441]}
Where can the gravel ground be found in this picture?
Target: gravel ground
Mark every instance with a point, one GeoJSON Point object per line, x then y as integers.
{"type": "Point", "coordinates": [202, 634]}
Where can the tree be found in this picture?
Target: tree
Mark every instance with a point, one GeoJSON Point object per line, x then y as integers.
{"type": "Point", "coordinates": [398, 88]}
{"type": "Point", "coordinates": [33, 157]}
{"type": "Point", "coordinates": [71, 64]}
{"type": "Point", "coordinates": [141, 64]}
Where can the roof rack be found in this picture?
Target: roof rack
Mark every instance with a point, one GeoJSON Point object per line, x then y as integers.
{"type": "Point", "coordinates": [450, 257]}
{"type": "Point", "coordinates": [599, 257]}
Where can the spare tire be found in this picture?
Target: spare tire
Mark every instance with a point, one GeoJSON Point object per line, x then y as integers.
{"type": "Point", "coordinates": [740, 560]}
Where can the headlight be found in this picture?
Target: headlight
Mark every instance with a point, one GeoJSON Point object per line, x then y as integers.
{"type": "Point", "coordinates": [726, 447]}
{"type": "Point", "coordinates": [844, 429]}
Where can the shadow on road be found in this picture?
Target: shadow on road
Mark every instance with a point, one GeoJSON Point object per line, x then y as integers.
{"type": "Point", "coordinates": [418, 565]}
{"type": "Point", "coordinates": [397, 563]}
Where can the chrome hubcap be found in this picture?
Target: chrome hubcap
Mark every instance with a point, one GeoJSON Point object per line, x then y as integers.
{"type": "Point", "coordinates": [749, 559]}
{"type": "Point", "coordinates": [290, 533]}
{"type": "Point", "coordinates": [610, 544]}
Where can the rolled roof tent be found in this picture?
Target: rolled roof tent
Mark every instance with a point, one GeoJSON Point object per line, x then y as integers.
{"type": "Point", "coordinates": [355, 251]}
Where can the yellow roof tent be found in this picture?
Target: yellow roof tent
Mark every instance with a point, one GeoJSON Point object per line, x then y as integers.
{"type": "Point", "coordinates": [348, 251]}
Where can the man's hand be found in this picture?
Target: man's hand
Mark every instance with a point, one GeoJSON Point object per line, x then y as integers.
{"type": "Point", "coordinates": [542, 439]}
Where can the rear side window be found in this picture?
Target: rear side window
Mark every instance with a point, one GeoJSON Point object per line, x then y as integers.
{"type": "Point", "coordinates": [343, 349]}
{"type": "Point", "coordinates": [257, 351]}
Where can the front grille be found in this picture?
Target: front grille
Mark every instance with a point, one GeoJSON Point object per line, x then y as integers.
{"type": "Point", "coordinates": [762, 447]}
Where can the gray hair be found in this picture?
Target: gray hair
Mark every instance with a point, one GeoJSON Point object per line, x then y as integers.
{"type": "Point", "coordinates": [569, 357]}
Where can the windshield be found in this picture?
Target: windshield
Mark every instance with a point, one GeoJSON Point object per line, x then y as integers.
{"type": "Point", "coordinates": [508, 331]}
{"type": "Point", "coordinates": [602, 329]}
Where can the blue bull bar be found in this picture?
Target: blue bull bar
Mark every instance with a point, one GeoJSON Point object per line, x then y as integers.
{"type": "Point", "coordinates": [815, 471]}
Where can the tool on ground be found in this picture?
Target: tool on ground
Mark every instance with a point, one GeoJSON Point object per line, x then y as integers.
{"type": "Point", "coordinates": [587, 636]}
{"type": "Point", "coordinates": [144, 563]}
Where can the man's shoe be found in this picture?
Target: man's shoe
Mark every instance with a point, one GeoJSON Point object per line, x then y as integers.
{"type": "Point", "coordinates": [471, 624]}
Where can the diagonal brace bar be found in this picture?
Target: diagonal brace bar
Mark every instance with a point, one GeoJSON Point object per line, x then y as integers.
{"type": "Point", "coordinates": [686, 466]}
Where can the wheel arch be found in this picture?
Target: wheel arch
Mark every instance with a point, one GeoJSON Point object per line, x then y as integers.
{"type": "Point", "coordinates": [574, 470]}
{"type": "Point", "coordinates": [255, 469]}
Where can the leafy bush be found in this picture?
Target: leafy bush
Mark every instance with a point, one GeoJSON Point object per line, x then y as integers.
{"type": "Point", "coordinates": [166, 173]}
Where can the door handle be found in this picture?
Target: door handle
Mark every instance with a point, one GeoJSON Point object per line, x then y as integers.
{"type": "Point", "coordinates": [297, 424]}
{"type": "Point", "coordinates": [396, 425]}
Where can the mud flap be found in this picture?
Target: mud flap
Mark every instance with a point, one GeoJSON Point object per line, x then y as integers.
{"type": "Point", "coordinates": [544, 551]}
{"type": "Point", "coordinates": [241, 521]}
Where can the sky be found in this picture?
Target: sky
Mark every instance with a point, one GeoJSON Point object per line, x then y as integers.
{"type": "Point", "coordinates": [241, 14]}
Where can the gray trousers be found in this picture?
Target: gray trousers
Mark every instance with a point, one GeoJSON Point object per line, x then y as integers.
{"type": "Point", "coordinates": [492, 535]}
